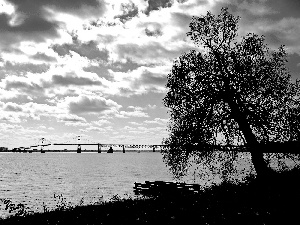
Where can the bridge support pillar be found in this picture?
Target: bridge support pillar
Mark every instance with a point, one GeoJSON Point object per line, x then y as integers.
{"type": "Point", "coordinates": [78, 149]}
{"type": "Point", "coordinates": [123, 148]}
{"type": "Point", "coordinates": [153, 149]}
{"type": "Point", "coordinates": [99, 148]}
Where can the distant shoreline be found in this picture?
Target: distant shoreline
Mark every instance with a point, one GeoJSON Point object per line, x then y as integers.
{"type": "Point", "coordinates": [82, 151]}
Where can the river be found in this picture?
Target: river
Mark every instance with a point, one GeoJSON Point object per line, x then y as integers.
{"type": "Point", "coordinates": [34, 179]}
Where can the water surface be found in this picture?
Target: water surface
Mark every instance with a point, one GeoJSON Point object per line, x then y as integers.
{"type": "Point", "coordinates": [34, 179]}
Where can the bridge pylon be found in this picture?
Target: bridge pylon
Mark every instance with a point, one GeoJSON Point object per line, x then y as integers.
{"type": "Point", "coordinates": [78, 146]}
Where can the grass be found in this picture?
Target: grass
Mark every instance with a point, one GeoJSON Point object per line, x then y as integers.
{"type": "Point", "coordinates": [273, 201]}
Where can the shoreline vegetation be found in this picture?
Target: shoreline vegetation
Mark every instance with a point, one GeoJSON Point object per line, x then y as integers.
{"type": "Point", "coordinates": [273, 200]}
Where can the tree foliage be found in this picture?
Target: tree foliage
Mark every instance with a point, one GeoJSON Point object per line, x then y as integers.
{"type": "Point", "coordinates": [239, 90]}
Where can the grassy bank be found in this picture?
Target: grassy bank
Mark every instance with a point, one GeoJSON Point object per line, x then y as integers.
{"type": "Point", "coordinates": [275, 201]}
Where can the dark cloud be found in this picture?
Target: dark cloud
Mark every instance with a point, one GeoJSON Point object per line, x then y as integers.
{"type": "Point", "coordinates": [34, 28]}
{"type": "Point", "coordinates": [71, 118]}
{"type": "Point", "coordinates": [294, 65]}
{"type": "Point", "coordinates": [126, 92]}
{"type": "Point", "coordinates": [30, 24]}
{"type": "Point", "coordinates": [194, 4]}
{"type": "Point", "coordinates": [28, 88]}
{"type": "Point", "coordinates": [89, 50]}
{"type": "Point", "coordinates": [32, 18]}
{"type": "Point", "coordinates": [286, 8]}
{"type": "Point", "coordinates": [129, 10]}
{"type": "Point", "coordinates": [12, 107]}
{"type": "Point", "coordinates": [180, 19]}
{"type": "Point", "coordinates": [87, 105]}
{"type": "Point", "coordinates": [149, 52]}
{"type": "Point", "coordinates": [101, 71]}
{"type": "Point", "coordinates": [43, 57]}
{"type": "Point", "coordinates": [77, 7]}
{"type": "Point", "coordinates": [157, 4]}
{"type": "Point", "coordinates": [23, 68]}
{"type": "Point", "coordinates": [154, 33]}
{"type": "Point", "coordinates": [277, 20]}
{"type": "Point", "coordinates": [71, 80]}
{"type": "Point", "coordinates": [10, 49]}
{"type": "Point", "coordinates": [127, 66]}
{"type": "Point", "coordinates": [151, 28]}
{"type": "Point", "coordinates": [102, 23]}
{"type": "Point", "coordinates": [153, 78]}
{"type": "Point", "coordinates": [150, 81]}
{"type": "Point", "coordinates": [284, 32]}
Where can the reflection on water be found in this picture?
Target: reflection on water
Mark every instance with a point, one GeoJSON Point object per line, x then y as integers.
{"type": "Point", "coordinates": [33, 179]}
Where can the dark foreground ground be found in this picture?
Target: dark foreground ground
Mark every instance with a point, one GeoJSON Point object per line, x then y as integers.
{"type": "Point", "coordinates": [274, 201]}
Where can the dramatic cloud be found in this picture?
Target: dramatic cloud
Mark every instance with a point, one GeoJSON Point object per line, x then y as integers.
{"type": "Point", "coordinates": [129, 10]}
{"type": "Point", "coordinates": [43, 57]}
{"type": "Point", "coordinates": [70, 80]}
{"type": "Point", "coordinates": [153, 52]}
{"type": "Point", "coordinates": [294, 65]}
{"type": "Point", "coordinates": [23, 85]}
{"type": "Point", "coordinates": [70, 118]}
{"type": "Point", "coordinates": [157, 4]}
{"type": "Point", "coordinates": [33, 28]}
{"type": "Point", "coordinates": [89, 50]}
{"type": "Point", "coordinates": [90, 104]}
{"type": "Point", "coordinates": [23, 68]}
{"type": "Point", "coordinates": [10, 106]}
{"type": "Point", "coordinates": [101, 65]}
{"type": "Point", "coordinates": [34, 20]}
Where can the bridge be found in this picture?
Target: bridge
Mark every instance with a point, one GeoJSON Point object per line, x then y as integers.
{"type": "Point", "coordinates": [276, 147]}
{"type": "Point", "coordinates": [100, 147]}
{"type": "Point", "coordinates": [45, 145]}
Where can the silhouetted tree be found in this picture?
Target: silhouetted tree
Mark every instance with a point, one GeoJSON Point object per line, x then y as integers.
{"type": "Point", "coordinates": [238, 90]}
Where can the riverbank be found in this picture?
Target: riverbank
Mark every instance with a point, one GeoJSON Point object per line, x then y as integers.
{"type": "Point", "coordinates": [275, 201]}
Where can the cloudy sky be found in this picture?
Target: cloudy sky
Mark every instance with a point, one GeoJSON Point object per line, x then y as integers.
{"type": "Point", "coordinates": [98, 68]}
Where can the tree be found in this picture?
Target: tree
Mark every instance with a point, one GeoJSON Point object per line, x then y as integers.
{"type": "Point", "coordinates": [238, 90]}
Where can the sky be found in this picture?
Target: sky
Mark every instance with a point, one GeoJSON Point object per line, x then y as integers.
{"type": "Point", "coordinates": [98, 68]}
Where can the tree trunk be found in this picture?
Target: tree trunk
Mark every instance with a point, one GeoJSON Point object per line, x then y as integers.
{"type": "Point", "coordinates": [255, 149]}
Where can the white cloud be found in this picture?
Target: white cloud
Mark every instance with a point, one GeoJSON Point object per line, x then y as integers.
{"type": "Point", "coordinates": [127, 114]}
{"type": "Point", "coordinates": [157, 121]}
{"type": "Point", "coordinates": [7, 7]}
{"type": "Point", "coordinates": [101, 122]}
{"type": "Point", "coordinates": [77, 124]}
{"type": "Point", "coordinates": [152, 106]}
{"type": "Point", "coordinates": [135, 123]}
{"type": "Point", "coordinates": [10, 117]}
{"type": "Point", "coordinates": [97, 129]}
